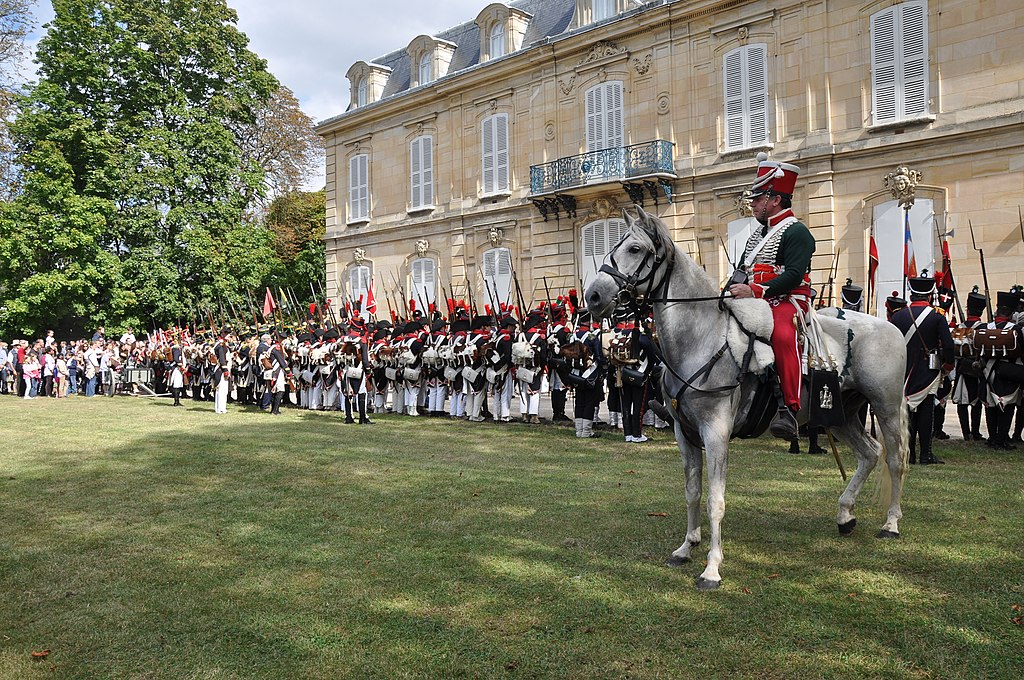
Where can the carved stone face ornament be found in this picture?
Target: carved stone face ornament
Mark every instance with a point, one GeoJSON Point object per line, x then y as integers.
{"type": "Point", "coordinates": [902, 183]}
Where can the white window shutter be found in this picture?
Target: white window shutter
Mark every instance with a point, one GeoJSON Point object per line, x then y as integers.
{"type": "Point", "coordinates": [501, 152]}
{"type": "Point", "coordinates": [595, 129]}
{"type": "Point", "coordinates": [735, 104]}
{"type": "Point", "coordinates": [613, 100]}
{"type": "Point", "coordinates": [487, 144]}
{"type": "Point", "coordinates": [416, 177]}
{"type": "Point", "coordinates": [359, 282]}
{"type": "Point", "coordinates": [883, 66]}
{"type": "Point", "coordinates": [757, 94]}
{"type": "Point", "coordinates": [359, 187]}
{"type": "Point", "coordinates": [428, 170]}
{"type": "Point", "coordinates": [429, 280]}
{"type": "Point", "coordinates": [353, 188]}
{"type": "Point", "coordinates": [913, 35]}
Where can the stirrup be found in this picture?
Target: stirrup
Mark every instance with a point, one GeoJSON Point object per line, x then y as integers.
{"type": "Point", "coordinates": [784, 426]}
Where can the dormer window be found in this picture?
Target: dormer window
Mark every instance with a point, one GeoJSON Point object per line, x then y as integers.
{"type": "Point", "coordinates": [429, 59]}
{"type": "Point", "coordinates": [497, 41]}
{"type": "Point", "coordinates": [367, 82]}
{"type": "Point", "coordinates": [361, 92]}
{"type": "Point", "coordinates": [501, 30]}
{"type": "Point", "coordinates": [591, 11]}
{"type": "Point", "coordinates": [424, 69]}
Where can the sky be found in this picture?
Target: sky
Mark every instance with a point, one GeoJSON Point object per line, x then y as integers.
{"type": "Point", "coordinates": [309, 45]}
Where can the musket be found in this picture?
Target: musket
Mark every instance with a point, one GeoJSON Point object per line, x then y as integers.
{"type": "Point", "coordinates": [469, 294]}
{"type": "Point", "coordinates": [984, 272]}
{"type": "Point", "coordinates": [547, 294]}
{"type": "Point", "coordinates": [947, 266]}
{"type": "Point", "coordinates": [831, 281]}
{"type": "Point", "coordinates": [519, 294]}
{"type": "Point", "coordinates": [399, 290]}
{"type": "Point", "coordinates": [1020, 219]}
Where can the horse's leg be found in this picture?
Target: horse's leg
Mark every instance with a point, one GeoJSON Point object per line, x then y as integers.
{"type": "Point", "coordinates": [715, 435]}
{"type": "Point", "coordinates": [895, 436]}
{"type": "Point", "coordinates": [867, 450]}
{"type": "Point", "coordinates": [693, 466]}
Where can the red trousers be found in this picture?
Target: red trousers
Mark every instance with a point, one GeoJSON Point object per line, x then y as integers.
{"type": "Point", "coordinates": [787, 353]}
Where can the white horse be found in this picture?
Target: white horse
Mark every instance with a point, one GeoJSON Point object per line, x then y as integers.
{"type": "Point", "coordinates": [710, 385]}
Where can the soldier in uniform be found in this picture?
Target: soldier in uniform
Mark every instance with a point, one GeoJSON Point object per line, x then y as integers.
{"type": "Point", "coordinates": [499, 363]}
{"type": "Point", "coordinates": [529, 356]}
{"type": "Point", "coordinates": [263, 351]}
{"type": "Point", "coordinates": [777, 262]}
{"type": "Point", "coordinates": [1004, 392]}
{"type": "Point", "coordinates": [587, 376]}
{"type": "Point", "coordinates": [433, 371]}
{"type": "Point", "coordinates": [559, 333]}
{"type": "Point", "coordinates": [412, 365]}
{"type": "Point", "coordinates": [378, 346]}
{"type": "Point", "coordinates": [944, 301]}
{"type": "Point", "coordinates": [354, 376]}
{"type": "Point", "coordinates": [176, 373]}
{"type": "Point", "coordinates": [929, 357]}
{"type": "Point", "coordinates": [221, 373]}
{"type": "Point", "coordinates": [475, 373]}
{"type": "Point", "coordinates": [893, 304]}
{"type": "Point", "coordinates": [277, 374]}
{"type": "Point", "coordinates": [969, 388]}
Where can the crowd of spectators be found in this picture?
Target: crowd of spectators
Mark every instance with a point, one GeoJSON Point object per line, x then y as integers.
{"type": "Point", "coordinates": [56, 369]}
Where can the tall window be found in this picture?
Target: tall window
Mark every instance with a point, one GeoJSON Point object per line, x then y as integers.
{"type": "Point", "coordinates": [494, 142]}
{"type": "Point", "coordinates": [899, 62]}
{"type": "Point", "coordinates": [361, 92]}
{"type": "Point", "coordinates": [603, 9]}
{"type": "Point", "coordinates": [421, 163]}
{"type": "Point", "coordinates": [604, 116]}
{"type": "Point", "coordinates": [497, 41]}
{"type": "Point", "coordinates": [746, 97]}
{"type": "Point", "coordinates": [358, 282]}
{"type": "Point", "coordinates": [424, 282]}
{"type": "Point", "coordinates": [498, 275]}
{"type": "Point", "coordinates": [359, 187]}
{"type": "Point", "coordinates": [598, 240]}
{"type": "Point", "coordinates": [426, 73]}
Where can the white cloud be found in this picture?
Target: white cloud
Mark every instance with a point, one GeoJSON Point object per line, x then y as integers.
{"type": "Point", "coordinates": [309, 45]}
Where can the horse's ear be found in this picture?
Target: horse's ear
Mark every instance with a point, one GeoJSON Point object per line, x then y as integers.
{"type": "Point", "coordinates": [629, 218]}
{"type": "Point", "coordinates": [646, 222]}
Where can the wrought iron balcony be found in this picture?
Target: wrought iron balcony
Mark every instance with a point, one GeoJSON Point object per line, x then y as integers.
{"type": "Point", "coordinates": [648, 159]}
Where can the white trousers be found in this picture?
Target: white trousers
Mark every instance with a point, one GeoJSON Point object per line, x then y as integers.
{"type": "Point", "coordinates": [220, 397]}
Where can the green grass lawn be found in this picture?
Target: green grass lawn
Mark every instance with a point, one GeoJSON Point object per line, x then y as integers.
{"type": "Point", "coordinates": [142, 541]}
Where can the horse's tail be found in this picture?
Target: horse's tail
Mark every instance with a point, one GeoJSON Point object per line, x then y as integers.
{"type": "Point", "coordinates": [884, 490]}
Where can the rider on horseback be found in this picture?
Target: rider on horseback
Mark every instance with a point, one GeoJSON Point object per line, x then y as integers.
{"type": "Point", "coordinates": [777, 261]}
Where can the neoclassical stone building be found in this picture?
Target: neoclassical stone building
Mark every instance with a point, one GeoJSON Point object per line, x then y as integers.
{"type": "Point", "coordinates": [513, 141]}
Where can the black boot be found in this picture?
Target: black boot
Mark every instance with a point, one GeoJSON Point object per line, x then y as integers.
{"type": "Point", "coordinates": [363, 420]}
{"type": "Point", "coordinates": [939, 421]}
{"type": "Point", "coordinates": [925, 417]}
{"type": "Point", "coordinates": [348, 411]}
{"type": "Point", "coordinates": [963, 414]}
{"type": "Point", "coordinates": [794, 446]}
{"type": "Point", "coordinates": [558, 398]}
{"type": "Point", "coordinates": [276, 403]}
{"type": "Point", "coordinates": [813, 448]}
{"type": "Point", "coordinates": [976, 422]}
{"type": "Point", "coordinates": [784, 426]}
{"type": "Point", "coordinates": [176, 392]}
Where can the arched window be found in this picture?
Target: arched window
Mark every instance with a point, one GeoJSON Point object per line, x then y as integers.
{"type": "Point", "coordinates": [890, 224]}
{"type": "Point", "coordinates": [423, 282]}
{"type": "Point", "coordinates": [361, 92]}
{"type": "Point", "coordinates": [598, 238]}
{"type": "Point", "coordinates": [498, 275]}
{"type": "Point", "coordinates": [426, 73]}
{"type": "Point", "coordinates": [359, 282]}
{"type": "Point", "coordinates": [497, 42]}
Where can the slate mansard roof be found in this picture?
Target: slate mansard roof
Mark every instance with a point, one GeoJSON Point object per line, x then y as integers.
{"type": "Point", "coordinates": [550, 18]}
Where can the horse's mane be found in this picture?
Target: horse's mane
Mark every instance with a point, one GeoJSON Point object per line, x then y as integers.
{"type": "Point", "coordinates": [695, 275]}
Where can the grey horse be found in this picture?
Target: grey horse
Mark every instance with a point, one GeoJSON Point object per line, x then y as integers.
{"type": "Point", "coordinates": [711, 385]}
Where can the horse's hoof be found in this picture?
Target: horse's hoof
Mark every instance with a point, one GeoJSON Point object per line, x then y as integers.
{"type": "Point", "coordinates": [706, 584]}
{"type": "Point", "coordinates": [675, 561]}
{"type": "Point", "coordinates": [847, 529]}
{"type": "Point", "coordinates": [885, 533]}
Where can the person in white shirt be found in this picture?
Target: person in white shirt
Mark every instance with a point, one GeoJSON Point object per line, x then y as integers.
{"type": "Point", "coordinates": [92, 368]}
{"type": "Point", "coordinates": [128, 338]}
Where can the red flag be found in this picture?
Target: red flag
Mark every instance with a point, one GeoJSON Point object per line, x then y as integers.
{"type": "Point", "coordinates": [909, 261]}
{"type": "Point", "coordinates": [872, 260]}
{"type": "Point", "coordinates": [947, 267]}
{"type": "Point", "coordinates": [268, 305]}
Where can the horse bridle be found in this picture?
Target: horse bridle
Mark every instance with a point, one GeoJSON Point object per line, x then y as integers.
{"type": "Point", "coordinates": [628, 294]}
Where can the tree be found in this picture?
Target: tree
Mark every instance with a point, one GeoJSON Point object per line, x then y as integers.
{"type": "Point", "coordinates": [15, 21]}
{"type": "Point", "coordinates": [136, 188]}
{"type": "Point", "coordinates": [298, 221]}
{"type": "Point", "coordinates": [283, 143]}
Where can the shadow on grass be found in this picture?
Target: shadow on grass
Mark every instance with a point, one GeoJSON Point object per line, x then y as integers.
{"type": "Point", "coordinates": [261, 545]}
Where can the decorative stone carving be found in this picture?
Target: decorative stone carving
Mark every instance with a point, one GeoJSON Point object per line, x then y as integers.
{"type": "Point", "coordinates": [601, 50]}
{"type": "Point", "coordinates": [743, 34]}
{"type": "Point", "coordinates": [664, 103]}
{"type": "Point", "coordinates": [549, 130]}
{"type": "Point", "coordinates": [902, 183]}
{"type": "Point", "coordinates": [602, 209]}
{"type": "Point", "coordinates": [422, 246]}
{"type": "Point", "coordinates": [359, 256]}
{"type": "Point", "coordinates": [642, 67]}
{"type": "Point", "coordinates": [567, 86]}
{"type": "Point", "coordinates": [742, 204]}
{"type": "Point", "coordinates": [496, 235]}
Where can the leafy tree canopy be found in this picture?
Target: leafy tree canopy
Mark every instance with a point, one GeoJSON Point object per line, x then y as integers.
{"type": "Point", "coordinates": [137, 169]}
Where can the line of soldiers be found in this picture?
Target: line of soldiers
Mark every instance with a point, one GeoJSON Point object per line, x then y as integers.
{"type": "Point", "coordinates": [979, 364]}
{"type": "Point", "coordinates": [460, 366]}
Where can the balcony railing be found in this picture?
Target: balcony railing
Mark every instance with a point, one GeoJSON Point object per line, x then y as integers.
{"type": "Point", "coordinates": [599, 167]}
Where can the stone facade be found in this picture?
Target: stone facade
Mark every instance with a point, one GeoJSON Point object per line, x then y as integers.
{"type": "Point", "coordinates": [968, 144]}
